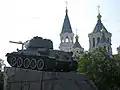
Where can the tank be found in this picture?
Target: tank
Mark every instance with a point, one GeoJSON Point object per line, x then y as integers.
{"type": "Point", "coordinates": [40, 55]}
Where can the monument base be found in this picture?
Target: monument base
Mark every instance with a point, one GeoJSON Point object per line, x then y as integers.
{"type": "Point", "coordinates": [24, 79]}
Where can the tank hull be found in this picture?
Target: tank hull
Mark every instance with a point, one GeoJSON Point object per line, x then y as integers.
{"type": "Point", "coordinates": [40, 63]}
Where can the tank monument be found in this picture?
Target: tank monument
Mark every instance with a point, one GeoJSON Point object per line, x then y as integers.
{"type": "Point", "coordinates": [37, 66]}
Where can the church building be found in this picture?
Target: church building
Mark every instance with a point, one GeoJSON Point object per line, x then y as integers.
{"type": "Point", "coordinates": [100, 37]}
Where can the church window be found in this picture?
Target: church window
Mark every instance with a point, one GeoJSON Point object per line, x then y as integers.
{"type": "Point", "coordinates": [104, 47]}
{"type": "Point", "coordinates": [67, 40]}
{"type": "Point", "coordinates": [93, 42]}
{"type": "Point", "coordinates": [108, 49]}
{"type": "Point", "coordinates": [62, 40]}
{"type": "Point", "coordinates": [71, 39]}
{"type": "Point", "coordinates": [98, 39]}
{"type": "Point", "coordinates": [108, 39]}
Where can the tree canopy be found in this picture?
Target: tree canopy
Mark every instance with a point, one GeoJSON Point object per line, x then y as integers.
{"type": "Point", "coordinates": [100, 67]}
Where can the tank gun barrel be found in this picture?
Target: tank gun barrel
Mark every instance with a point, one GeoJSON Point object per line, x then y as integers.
{"type": "Point", "coordinates": [18, 43]}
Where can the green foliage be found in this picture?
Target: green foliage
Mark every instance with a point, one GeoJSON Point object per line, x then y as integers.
{"type": "Point", "coordinates": [1, 80]}
{"type": "Point", "coordinates": [101, 68]}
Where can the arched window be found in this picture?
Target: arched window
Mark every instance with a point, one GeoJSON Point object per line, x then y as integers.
{"type": "Point", "coordinates": [93, 42]}
{"type": "Point", "coordinates": [108, 40]}
{"type": "Point", "coordinates": [71, 39]}
{"type": "Point", "coordinates": [62, 40]}
{"type": "Point", "coordinates": [104, 47]}
{"type": "Point", "coordinates": [98, 39]}
{"type": "Point", "coordinates": [108, 49]}
{"type": "Point", "coordinates": [67, 39]}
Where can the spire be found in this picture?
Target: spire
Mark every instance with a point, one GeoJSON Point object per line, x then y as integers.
{"type": "Point", "coordinates": [99, 24]}
{"type": "Point", "coordinates": [66, 7]}
{"type": "Point", "coordinates": [99, 16]}
{"type": "Point", "coordinates": [66, 24]}
{"type": "Point", "coordinates": [77, 44]}
{"type": "Point", "coordinates": [76, 36]}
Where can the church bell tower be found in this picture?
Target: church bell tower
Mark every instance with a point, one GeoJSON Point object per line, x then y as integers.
{"type": "Point", "coordinates": [100, 37]}
{"type": "Point", "coordinates": [66, 35]}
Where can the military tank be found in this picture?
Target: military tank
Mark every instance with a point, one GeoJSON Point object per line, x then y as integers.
{"type": "Point", "coordinates": [39, 55]}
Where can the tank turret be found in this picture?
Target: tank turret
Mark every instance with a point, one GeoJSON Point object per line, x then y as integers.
{"type": "Point", "coordinates": [39, 42]}
{"type": "Point", "coordinates": [39, 55]}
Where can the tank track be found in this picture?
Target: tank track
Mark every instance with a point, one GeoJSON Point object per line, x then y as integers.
{"type": "Point", "coordinates": [40, 63]}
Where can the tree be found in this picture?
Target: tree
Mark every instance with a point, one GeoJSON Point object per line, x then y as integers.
{"type": "Point", "coordinates": [1, 73]}
{"type": "Point", "coordinates": [1, 80]}
{"type": "Point", "coordinates": [101, 68]}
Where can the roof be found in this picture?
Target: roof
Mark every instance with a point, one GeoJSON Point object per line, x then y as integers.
{"type": "Point", "coordinates": [77, 44]}
{"type": "Point", "coordinates": [99, 25]}
{"type": "Point", "coordinates": [66, 24]}
{"type": "Point", "coordinates": [103, 38]}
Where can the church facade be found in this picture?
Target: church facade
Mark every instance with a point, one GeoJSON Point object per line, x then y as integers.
{"type": "Point", "coordinates": [100, 37]}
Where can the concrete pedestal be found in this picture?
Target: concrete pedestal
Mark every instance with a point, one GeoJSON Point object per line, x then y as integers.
{"type": "Point", "coordinates": [23, 79]}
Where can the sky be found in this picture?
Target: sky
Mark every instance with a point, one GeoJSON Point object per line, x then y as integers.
{"type": "Point", "coordinates": [20, 20]}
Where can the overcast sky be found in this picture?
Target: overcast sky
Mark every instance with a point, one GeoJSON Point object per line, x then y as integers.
{"type": "Point", "coordinates": [20, 20]}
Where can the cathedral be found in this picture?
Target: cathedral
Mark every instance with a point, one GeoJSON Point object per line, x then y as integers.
{"type": "Point", "coordinates": [100, 37]}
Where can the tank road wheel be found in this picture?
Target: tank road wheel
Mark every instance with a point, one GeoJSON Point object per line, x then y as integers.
{"type": "Point", "coordinates": [13, 61]}
{"type": "Point", "coordinates": [33, 63]}
{"type": "Point", "coordinates": [26, 62]}
{"type": "Point", "coordinates": [19, 62]}
{"type": "Point", "coordinates": [40, 64]}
